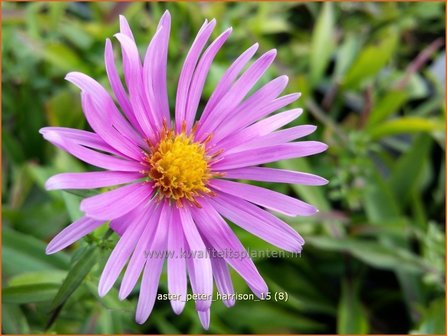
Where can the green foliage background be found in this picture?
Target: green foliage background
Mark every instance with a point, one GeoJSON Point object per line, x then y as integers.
{"type": "Point", "coordinates": [374, 256]}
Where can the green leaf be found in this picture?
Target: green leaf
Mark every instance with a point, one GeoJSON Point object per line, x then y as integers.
{"type": "Point", "coordinates": [29, 293]}
{"type": "Point", "coordinates": [346, 54]}
{"type": "Point", "coordinates": [372, 253]}
{"type": "Point", "coordinates": [379, 201]}
{"type": "Point", "coordinates": [72, 204]}
{"type": "Point", "coordinates": [33, 278]}
{"type": "Point", "coordinates": [433, 320]}
{"type": "Point", "coordinates": [322, 43]}
{"type": "Point", "coordinates": [63, 109]}
{"type": "Point", "coordinates": [75, 276]}
{"type": "Point", "coordinates": [386, 106]}
{"type": "Point", "coordinates": [22, 252]}
{"type": "Point", "coordinates": [408, 169]}
{"type": "Point", "coordinates": [310, 194]}
{"type": "Point", "coordinates": [76, 34]}
{"type": "Point", "coordinates": [13, 320]}
{"type": "Point", "coordinates": [110, 322]}
{"type": "Point", "coordinates": [267, 318]}
{"type": "Point", "coordinates": [371, 59]}
{"type": "Point", "coordinates": [62, 57]}
{"type": "Point", "coordinates": [406, 125]}
{"type": "Point", "coordinates": [351, 317]}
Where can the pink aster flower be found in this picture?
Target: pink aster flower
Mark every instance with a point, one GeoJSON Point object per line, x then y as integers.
{"type": "Point", "coordinates": [176, 179]}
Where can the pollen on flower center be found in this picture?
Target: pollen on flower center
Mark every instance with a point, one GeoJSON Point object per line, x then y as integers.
{"type": "Point", "coordinates": [179, 167]}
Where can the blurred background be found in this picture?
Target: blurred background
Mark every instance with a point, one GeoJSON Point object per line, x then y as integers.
{"type": "Point", "coordinates": [372, 77]}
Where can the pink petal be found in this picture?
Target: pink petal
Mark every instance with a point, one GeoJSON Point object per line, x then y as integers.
{"type": "Point", "coordinates": [155, 70]}
{"type": "Point", "coordinates": [90, 180]}
{"type": "Point", "coordinates": [236, 94]}
{"type": "Point", "coordinates": [72, 233]}
{"type": "Point", "coordinates": [203, 274]}
{"type": "Point", "coordinates": [270, 199]}
{"type": "Point", "coordinates": [107, 114]}
{"type": "Point", "coordinates": [192, 272]}
{"type": "Point", "coordinates": [258, 156]}
{"type": "Point", "coordinates": [255, 102]}
{"type": "Point", "coordinates": [275, 138]}
{"type": "Point", "coordinates": [176, 264]}
{"type": "Point", "coordinates": [204, 317]}
{"type": "Point", "coordinates": [223, 280]}
{"type": "Point", "coordinates": [150, 70]}
{"type": "Point", "coordinates": [260, 128]}
{"type": "Point", "coordinates": [90, 156]}
{"type": "Point", "coordinates": [154, 265]}
{"type": "Point", "coordinates": [220, 236]}
{"type": "Point", "coordinates": [121, 224]}
{"type": "Point", "coordinates": [140, 105]}
{"type": "Point", "coordinates": [187, 72]}
{"type": "Point", "coordinates": [270, 124]}
{"type": "Point", "coordinates": [117, 86]}
{"type": "Point", "coordinates": [136, 264]}
{"type": "Point", "coordinates": [81, 137]}
{"type": "Point", "coordinates": [258, 222]}
{"type": "Point", "coordinates": [120, 254]}
{"type": "Point", "coordinates": [227, 80]}
{"type": "Point", "coordinates": [275, 175]}
{"type": "Point", "coordinates": [125, 28]}
{"type": "Point", "coordinates": [200, 75]}
{"type": "Point", "coordinates": [118, 202]}
{"type": "Point", "coordinates": [246, 119]}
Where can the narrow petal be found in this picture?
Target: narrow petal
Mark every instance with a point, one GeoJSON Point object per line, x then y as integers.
{"type": "Point", "coordinates": [117, 86]}
{"type": "Point", "coordinates": [121, 224]}
{"type": "Point", "coordinates": [204, 317]}
{"type": "Point", "coordinates": [154, 265]}
{"type": "Point", "coordinates": [255, 114]}
{"type": "Point", "coordinates": [138, 259]}
{"type": "Point", "coordinates": [227, 80]}
{"type": "Point", "coordinates": [81, 137]}
{"type": "Point", "coordinates": [177, 284]}
{"type": "Point", "coordinates": [193, 272]}
{"type": "Point", "coordinates": [90, 180]}
{"type": "Point", "coordinates": [72, 233]}
{"type": "Point", "coordinates": [118, 202]}
{"type": "Point", "coordinates": [155, 70]}
{"type": "Point", "coordinates": [133, 72]}
{"type": "Point", "coordinates": [222, 277]}
{"type": "Point", "coordinates": [220, 236]}
{"type": "Point", "coordinates": [263, 155]}
{"type": "Point", "coordinates": [106, 110]}
{"type": "Point", "coordinates": [90, 156]}
{"type": "Point", "coordinates": [260, 128]}
{"type": "Point", "coordinates": [275, 175]}
{"type": "Point", "coordinates": [151, 69]}
{"type": "Point", "coordinates": [187, 72]}
{"type": "Point", "coordinates": [236, 94]}
{"type": "Point", "coordinates": [262, 97]}
{"type": "Point", "coordinates": [200, 75]}
{"type": "Point", "coordinates": [275, 138]}
{"type": "Point", "coordinates": [270, 199]}
{"type": "Point", "coordinates": [200, 258]}
{"type": "Point", "coordinates": [134, 81]}
{"type": "Point", "coordinates": [120, 255]}
{"type": "Point", "coordinates": [258, 222]}
{"type": "Point", "coordinates": [125, 28]}
{"type": "Point", "coordinates": [276, 121]}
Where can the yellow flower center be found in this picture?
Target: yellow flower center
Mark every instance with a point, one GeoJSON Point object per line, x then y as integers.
{"type": "Point", "coordinates": [179, 167]}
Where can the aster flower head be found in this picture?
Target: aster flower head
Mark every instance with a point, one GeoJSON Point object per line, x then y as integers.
{"type": "Point", "coordinates": [177, 179]}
